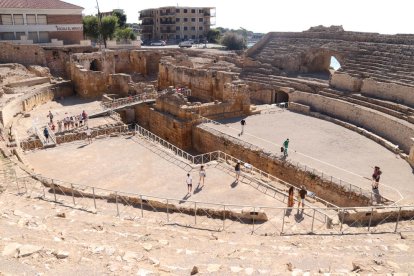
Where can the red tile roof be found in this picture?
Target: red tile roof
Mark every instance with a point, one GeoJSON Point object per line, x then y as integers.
{"type": "Point", "coordinates": [37, 4]}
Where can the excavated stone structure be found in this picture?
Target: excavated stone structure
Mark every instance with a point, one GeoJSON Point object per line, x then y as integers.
{"type": "Point", "coordinates": [373, 89]}
{"type": "Point", "coordinates": [115, 72]}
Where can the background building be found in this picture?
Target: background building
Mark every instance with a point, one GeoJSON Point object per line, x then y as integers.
{"type": "Point", "coordinates": [40, 21]}
{"type": "Point", "coordinates": [176, 23]}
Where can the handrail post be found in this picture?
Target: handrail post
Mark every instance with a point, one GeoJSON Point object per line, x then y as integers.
{"type": "Point", "coordinates": [313, 219]}
{"type": "Point", "coordinates": [224, 216]}
{"type": "Point", "coordinates": [254, 211]}
{"type": "Point", "coordinates": [116, 200]}
{"type": "Point", "coordinates": [168, 213]}
{"type": "Point", "coordinates": [342, 220]}
{"type": "Point", "coordinates": [73, 196]}
{"type": "Point", "coordinates": [54, 191]}
{"type": "Point", "coordinates": [398, 219]}
{"type": "Point", "coordinates": [142, 209]}
{"type": "Point", "coordinates": [195, 212]}
{"type": "Point", "coordinates": [283, 220]}
{"type": "Point", "coordinates": [370, 218]}
{"type": "Point", "coordinates": [94, 199]}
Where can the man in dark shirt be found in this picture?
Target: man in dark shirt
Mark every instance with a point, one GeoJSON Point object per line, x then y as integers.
{"type": "Point", "coordinates": [243, 123]}
{"type": "Point", "coordinates": [301, 196]}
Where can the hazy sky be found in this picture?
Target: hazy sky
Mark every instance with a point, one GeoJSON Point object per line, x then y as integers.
{"type": "Point", "coordinates": [383, 16]}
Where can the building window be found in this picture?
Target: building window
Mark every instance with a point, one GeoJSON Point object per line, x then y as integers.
{"type": "Point", "coordinates": [177, 10]}
{"type": "Point", "coordinates": [41, 19]}
{"type": "Point", "coordinates": [185, 36]}
{"type": "Point", "coordinates": [192, 19]}
{"type": "Point", "coordinates": [185, 10]}
{"type": "Point", "coordinates": [177, 36]}
{"type": "Point", "coordinates": [7, 36]}
{"type": "Point", "coordinates": [193, 37]}
{"type": "Point", "coordinates": [31, 19]}
{"type": "Point", "coordinates": [186, 19]}
{"type": "Point", "coordinates": [200, 19]}
{"type": "Point", "coordinates": [177, 20]}
{"type": "Point", "coordinates": [193, 11]}
{"type": "Point", "coordinates": [6, 19]}
{"type": "Point", "coordinates": [19, 35]}
{"type": "Point", "coordinates": [33, 36]}
{"type": "Point", "coordinates": [200, 11]}
{"type": "Point", "coordinates": [185, 28]}
{"type": "Point", "coordinates": [200, 28]}
{"type": "Point", "coordinates": [18, 19]}
{"type": "Point", "coordinates": [43, 37]}
{"type": "Point", "coordinates": [177, 28]}
{"type": "Point", "coordinates": [193, 28]}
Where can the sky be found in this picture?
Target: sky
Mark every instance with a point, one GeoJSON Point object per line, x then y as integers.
{"type": "Point", "coordinates": [380, 16]}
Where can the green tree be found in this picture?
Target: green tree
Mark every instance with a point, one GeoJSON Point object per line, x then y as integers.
{"type": "Point", "coordinates": [124, 34]}
{"type": "Point", "coordinates": [108, 27]}
{"type": "Point", "coordinates": [122, 18]}
{"type": "Point", "coordinates": [213, 35]}
{"type": "Point", "coordinates": [233, 41]}
{"type": "Point", "coordinates": [91, 27]}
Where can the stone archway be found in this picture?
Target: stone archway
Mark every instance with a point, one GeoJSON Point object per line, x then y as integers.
{"type": "Point", "coordinates": [281, 97]}
{"type": "Point", "coordinates": [95, 65]}
{"type": "Point", "coordinates": [319, 61]}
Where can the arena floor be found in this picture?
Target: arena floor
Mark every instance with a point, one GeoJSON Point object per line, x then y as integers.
{"type": "Point", "coordinates": [330, 148]}
{"type": "Point", "coordinates": [124, 164]}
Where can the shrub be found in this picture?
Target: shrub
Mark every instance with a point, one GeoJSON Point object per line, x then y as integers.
{"type": "Point", "coordinates": [233, 41]}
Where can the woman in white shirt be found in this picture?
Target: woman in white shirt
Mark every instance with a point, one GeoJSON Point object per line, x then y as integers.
{"type": "Point", "coordinates": [202, 174]}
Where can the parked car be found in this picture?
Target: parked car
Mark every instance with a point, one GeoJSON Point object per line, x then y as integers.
{"type": "Point", "coordinates": [185, 44]}
{"type": "Point", "coordinates": [158, 43]}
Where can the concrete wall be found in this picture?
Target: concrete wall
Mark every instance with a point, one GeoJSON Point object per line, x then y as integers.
{"type": "Point", "coordinates": [393, 129]}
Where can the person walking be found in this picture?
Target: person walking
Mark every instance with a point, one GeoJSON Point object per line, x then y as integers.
{"type": "Point", "coordinates": [202, 174]}
{"type": "Point", "coordinates": [46, 134]}
{"type": "Point", "coordinates": [88, 135]}
{"type": "Point", "coordinates": [242, 123]}
{"type": "Point", "coordinates": [301, 196]}
{"type": "Point", "coordinates": [237, 170]}
{"type": "Point", "coordinates": [376, 177]}
{"type": "Point", "coordinates": [291, 200]}
{"type": "Point", "coordinates": [285, 147]}
{"type": "Point", "coordinates": [50, 117]}
{"type": "Point", "coordinates": [189, 183]}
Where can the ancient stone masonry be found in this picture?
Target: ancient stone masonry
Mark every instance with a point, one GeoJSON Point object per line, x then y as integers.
{"type": "Point", "coordinates": [376, 65]}
{"type": "Point", "coordinates": [376, 76]}
{"type": "Point", "coordinates": [115, 72]}
{"type": "Point", "coordinates": [55, 58]}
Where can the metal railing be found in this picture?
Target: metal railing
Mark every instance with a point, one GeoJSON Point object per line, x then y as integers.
{"type": "Point", "coordinates": [374, 197]}
{"type": "Point", "coordinates": [258, 220]}
{"type": "Point", "coordinates": [70, 137]}
{"type": "Point", "coordinates": [224, 157]}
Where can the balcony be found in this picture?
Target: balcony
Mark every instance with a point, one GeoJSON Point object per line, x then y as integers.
{"type": "Point", "coordinates": [167, 22]}
{"type": "Point", "coordinates": [147, 23]}
{"type": "Point", "coordinates": [167, 31]}
{"type": "Point", "coordinates": [167, 13]}
{"type": "Point", "coordinates": [145, 15]}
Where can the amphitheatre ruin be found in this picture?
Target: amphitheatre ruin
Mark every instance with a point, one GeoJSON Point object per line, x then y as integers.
{"type": "Point", "coordinates": [119, 204]}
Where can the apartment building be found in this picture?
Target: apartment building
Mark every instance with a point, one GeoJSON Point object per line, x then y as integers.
{"type": "Point", "coordinates": [176, 23]}
{"type": "Point", "coordinates": [40, 21]}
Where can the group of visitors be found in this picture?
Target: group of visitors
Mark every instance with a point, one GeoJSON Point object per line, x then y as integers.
{"type": "Point", "coordinates": [202, 174]}
{"type": "Point", "coordinates": [300, 197]}
{"type": "Point", "coordinates": [67, 123]}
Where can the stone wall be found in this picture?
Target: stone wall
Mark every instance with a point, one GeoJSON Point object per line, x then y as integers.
{"type": "Point", "coordinates": [393, 129]}
{"type": "Point", "coordinates": [170, 128]}
{"type": "Point", "coordinates": [28, 102]}
{"type": "Point", "coordinates": [206, 139]}
{"type": "Point", "coordinates": [389, 91]}
{"type": "Point", "coordinates": [206, 85]}
{"type": "Point", "coordinates": [55, 58]}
